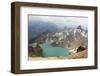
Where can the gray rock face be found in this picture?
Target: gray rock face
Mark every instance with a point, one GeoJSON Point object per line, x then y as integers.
{"type": "Point", "coordinates": [69, 37]}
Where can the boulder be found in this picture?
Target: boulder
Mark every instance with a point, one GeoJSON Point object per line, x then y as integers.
{"type": "Point", "coordinates": [81, 48]}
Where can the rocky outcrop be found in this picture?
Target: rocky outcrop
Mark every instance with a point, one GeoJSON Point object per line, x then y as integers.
{"type": "Point", "coordinates": [80, 48]}
{"type": "Point", "coordinates": [35, 51]}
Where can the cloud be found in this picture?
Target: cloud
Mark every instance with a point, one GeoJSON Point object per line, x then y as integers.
{"type": "Point", "coordinates": [67, 20]}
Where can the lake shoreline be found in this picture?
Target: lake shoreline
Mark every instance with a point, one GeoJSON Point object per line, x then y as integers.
{"type": "Point", "coordinates": [79, 55]}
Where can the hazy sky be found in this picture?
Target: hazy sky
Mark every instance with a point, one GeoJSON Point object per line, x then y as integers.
{"type": "Point", "coordinates": [67, 20]}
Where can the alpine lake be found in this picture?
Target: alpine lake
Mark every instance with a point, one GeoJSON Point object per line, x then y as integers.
{"type": "Point", "coordinates": [54, 51]}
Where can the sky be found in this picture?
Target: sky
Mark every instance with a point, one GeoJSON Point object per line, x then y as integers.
{"type": "Point", "coordinates": [63, 20]}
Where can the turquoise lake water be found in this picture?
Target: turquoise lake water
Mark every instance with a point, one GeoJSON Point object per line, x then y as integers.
{"type": "Point", "coordinates": [53, 51]}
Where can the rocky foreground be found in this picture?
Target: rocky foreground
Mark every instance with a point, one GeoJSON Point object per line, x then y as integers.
{"type": "Point", "coordinates": [82, 54]}
{"type": "Point", "coordinates": [79, 55]}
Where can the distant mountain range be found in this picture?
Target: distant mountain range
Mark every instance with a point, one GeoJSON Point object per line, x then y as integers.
{"type": "Point", "coordinates": [37, 28]}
